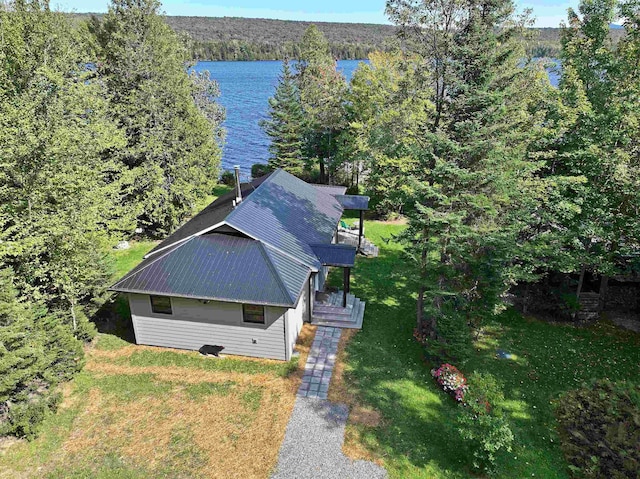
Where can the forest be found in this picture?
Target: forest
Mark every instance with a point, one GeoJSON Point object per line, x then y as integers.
{"type": "Point", "coordinates": [246, 39]}
{"type": "Point", "coordinates": [102, 134]}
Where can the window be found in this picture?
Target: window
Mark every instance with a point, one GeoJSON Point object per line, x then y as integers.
{"type": "Point", "coordinates": [252, 313]}
{"type": "Point", "coordinates": [161, 304]}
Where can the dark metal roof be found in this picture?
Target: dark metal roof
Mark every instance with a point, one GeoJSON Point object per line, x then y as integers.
{"type": "Point", "coordinates": [353, 202]}
{"type": "Point", "coordinates": [213, 214]}
{"type": "Point", "coordinates": [289, 215]}
{"type": "Point", "coordinates": [276, 236]}
{"type": "Point", "coordinates": [335, 254]}
{"type": "Point", "coordinates": [332, 189]}
{"type": "Point", "coordinates": [220, 267]}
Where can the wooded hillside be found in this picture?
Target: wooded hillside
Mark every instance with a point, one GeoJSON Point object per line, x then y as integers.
{"type": "Point", "coordinates": [233, 38]}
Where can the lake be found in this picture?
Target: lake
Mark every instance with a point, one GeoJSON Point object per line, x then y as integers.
{"type": "Point", "coordinates": [245, 88]}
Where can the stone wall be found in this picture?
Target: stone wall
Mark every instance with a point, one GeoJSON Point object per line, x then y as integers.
{"type": "Point", "coordinates": [622, 297]}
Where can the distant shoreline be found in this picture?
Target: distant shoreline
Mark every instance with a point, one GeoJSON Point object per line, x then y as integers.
{"type": "Point", "coordinates": [260, 39]}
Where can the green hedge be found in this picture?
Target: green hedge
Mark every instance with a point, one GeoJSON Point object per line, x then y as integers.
{"type": "Point", "coordinates": [600, 430]}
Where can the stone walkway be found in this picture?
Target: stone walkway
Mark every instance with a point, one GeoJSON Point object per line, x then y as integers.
{"type": "Point", "coordinates": [320, 363]}
{"type": "Point", "coordinates": [312, 446]}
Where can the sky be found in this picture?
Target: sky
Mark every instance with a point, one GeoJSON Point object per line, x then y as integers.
{"type": "Point", "coordinates": [548, 13]}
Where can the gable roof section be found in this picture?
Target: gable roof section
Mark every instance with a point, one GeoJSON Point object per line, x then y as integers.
{"type": "Point", "coordinates": [221, 268]}
{"type": "Point", "coordinates": [289, 215]}
{"type": "Point", "coordinates": [213, 214]}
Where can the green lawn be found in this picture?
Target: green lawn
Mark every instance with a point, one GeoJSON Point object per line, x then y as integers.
{"type": "Point", "coordinates": [126, 259]}
{"type": "Point", "coordinates": [417, 437]}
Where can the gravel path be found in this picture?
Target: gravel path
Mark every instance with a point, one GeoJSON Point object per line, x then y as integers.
{"type": "Point", "coordinates": [312, 446]}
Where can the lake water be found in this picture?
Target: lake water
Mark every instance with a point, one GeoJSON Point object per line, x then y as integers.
{"type": "Point", "coordinates": [245, 88]}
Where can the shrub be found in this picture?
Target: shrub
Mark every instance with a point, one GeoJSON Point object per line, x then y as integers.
{"type": "Point", "coordinates": [259, 169]}
{"type": "Point", "coordinates": [228, 178]}
{"type": "Point", "coordinates": [599, 427]}
{"type": "Point", "coordinates": [23, 419]}
{"type": "Point", "coordinates": [482, 423]}
{"type": "Point", "coordinates": [451, 380]}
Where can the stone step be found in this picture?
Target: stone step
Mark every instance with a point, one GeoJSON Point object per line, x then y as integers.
{"type": "Point", "coordinates": [355, 322]}
{"type": "Point", "coordinates": [337, 310]}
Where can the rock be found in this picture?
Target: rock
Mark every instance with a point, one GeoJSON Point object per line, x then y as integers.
{"type": "Point", "coordinates": [123, 245]}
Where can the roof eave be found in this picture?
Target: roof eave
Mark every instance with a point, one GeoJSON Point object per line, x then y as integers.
{"type": "Point", "coordinates": [204, 298]}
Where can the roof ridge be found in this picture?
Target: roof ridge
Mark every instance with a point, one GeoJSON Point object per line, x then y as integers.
{"type": "Point", "coordinates": [132, 272]}
{"type": "Point", "coordinates": [274, 270]}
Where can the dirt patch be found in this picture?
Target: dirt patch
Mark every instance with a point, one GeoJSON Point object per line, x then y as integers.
{"type": "Point", "coordinates": [400, 220]}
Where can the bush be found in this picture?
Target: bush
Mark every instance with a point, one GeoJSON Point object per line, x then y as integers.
{"type": "Point", "coordinates": [259, 169]}
{"type": "Point", "coordinates": [228, 178]}
{"type": "Point", "coordinates": [599, 428]}
{"type": "Point", "coordinates": [85, 330]}
{"type": "Point", "coordinates": [451, 380]}
{"type": "Point", "coordinates": [23, 419]}
{"type": "Point", "coordinates": [482, 423]}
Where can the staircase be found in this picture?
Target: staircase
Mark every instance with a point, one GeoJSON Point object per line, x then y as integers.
{"type": "Point", "coordinates": [331, 313]}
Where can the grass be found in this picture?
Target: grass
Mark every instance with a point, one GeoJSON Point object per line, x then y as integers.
{"type": "Point", "coordinates": [127, 259]}
{"type": "Point", "coordinates": [413, 435]}
{"type": "Point", "coordinates": [142, 412]}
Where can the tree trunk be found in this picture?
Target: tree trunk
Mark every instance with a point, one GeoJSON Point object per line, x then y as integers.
{"type": "Point", "coordinates": [604, 287]}
{"type": "Point", "coordinates": [420, 309]}
{"type": "Point", "coordinates": [525, 300]}
{"type": "Point", "coordinates": [322, 171]}
{"type": "Point", "coordinates": [580, 283]}
{"type": "Point", "coordinates": [73, 317]}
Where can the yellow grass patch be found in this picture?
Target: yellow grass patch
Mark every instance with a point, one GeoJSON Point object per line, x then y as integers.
{"type": "Point", "coordinates": [168, 421]}
{"type": "Point", "coordinates": [186, 375]}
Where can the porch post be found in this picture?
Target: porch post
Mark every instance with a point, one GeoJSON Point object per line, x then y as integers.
{"type": "Point", "coordinates": [345, 285]}
{"type": "Point", "coordinates": [361, 228]}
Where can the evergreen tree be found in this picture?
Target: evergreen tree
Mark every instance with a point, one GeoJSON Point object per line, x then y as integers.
{"type": "Point", "coordinates": [36, 353]}
{"type": "Point", "coordinates": [171, 154]}
{"type": "Point", "coordinates": [285, 125]}
{"type": "Point", "coordinates": [474, 164]}
{"type": "Point", "coordinates": [322, 90]}
{"type": "Point", "coordinates": [57, 202]}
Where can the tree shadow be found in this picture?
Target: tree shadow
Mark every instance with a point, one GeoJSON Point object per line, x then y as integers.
{"type": "Point", "coordinates": [114, 318]}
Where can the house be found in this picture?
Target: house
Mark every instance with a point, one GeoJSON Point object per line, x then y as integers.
{"type": "Point", "coordinates": [244, 273]}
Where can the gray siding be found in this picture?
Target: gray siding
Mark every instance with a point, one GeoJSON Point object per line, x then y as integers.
{"type": "Point", "coordinates": [320, 278]}
{"type": "Point", "coordinates": [194, 324]}
{"type": "Point", "coordinates": [295, 318]}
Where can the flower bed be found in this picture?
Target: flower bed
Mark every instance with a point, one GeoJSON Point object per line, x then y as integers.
{"type": "Point", "coordinates": [451, 380]}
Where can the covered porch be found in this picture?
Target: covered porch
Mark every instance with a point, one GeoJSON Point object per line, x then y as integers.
{"type": "Point", "coordinates": [355, 236]}
{"type": "Point", "coordinates": [339, 309]}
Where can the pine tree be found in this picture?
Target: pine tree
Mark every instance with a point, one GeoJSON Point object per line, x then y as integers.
{"type": "Point", "coordinates": [322, 90]}
{"type": "Point", "coordinates": [36, 353]}
{"type": "Point", "coordinates": [473, 163]}
{"type": "Point", "coordinates": [172, 153]}
{"type": "Point", "coordinates": [285, 125]}
{"type": "Point", "coordinates": [57, 202]}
